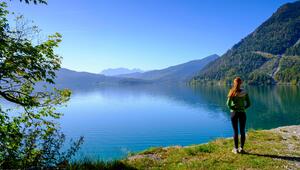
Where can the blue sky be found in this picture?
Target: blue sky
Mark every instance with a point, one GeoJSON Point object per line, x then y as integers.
{"type": "Point", "coordinates": [145, 34]}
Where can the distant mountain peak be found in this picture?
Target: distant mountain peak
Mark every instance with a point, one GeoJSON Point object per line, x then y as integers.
{"type": "Point", "coordinates": [177, 73]}
{"type": "Point", "coordinates": [119, 71]}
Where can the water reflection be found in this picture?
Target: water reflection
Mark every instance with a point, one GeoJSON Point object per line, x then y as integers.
{"type": "Point", "coordinates": [272, 106]}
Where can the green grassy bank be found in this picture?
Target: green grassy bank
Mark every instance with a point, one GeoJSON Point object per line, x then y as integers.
{"type": "Point", "coordinates": [265, 149]}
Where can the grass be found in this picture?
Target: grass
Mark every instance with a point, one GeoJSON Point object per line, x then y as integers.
{"type": "Point", "coordinates": [99, 165]}
{"type": "Point", "coordinates": [264, 150]}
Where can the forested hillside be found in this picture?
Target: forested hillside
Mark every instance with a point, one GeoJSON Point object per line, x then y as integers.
{"type": "Point", "coordinates": [269, 55]}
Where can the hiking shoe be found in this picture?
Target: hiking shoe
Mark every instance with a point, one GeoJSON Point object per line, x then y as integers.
{"type": "Point", "coordinates": [234, 150]}
{"type": "Point", "coordinates": [241, 150]}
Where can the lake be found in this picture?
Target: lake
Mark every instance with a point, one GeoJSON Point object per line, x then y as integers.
{"type": "Point", "coordinates": [118, 120]}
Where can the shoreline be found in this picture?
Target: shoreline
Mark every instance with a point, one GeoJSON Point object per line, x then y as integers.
{"type": "Point", "coordinates": [277, 148]}
{"type": "Point", "coordinates": [285, 153]}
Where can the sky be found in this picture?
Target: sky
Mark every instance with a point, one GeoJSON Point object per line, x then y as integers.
{"type": "Point", "coordinates": [145, 34]}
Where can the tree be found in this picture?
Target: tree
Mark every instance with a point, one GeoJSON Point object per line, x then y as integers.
{"type": "Point", "coordinates": [29, 135]}
{"type": "Point", "coordinates": [35, 1]}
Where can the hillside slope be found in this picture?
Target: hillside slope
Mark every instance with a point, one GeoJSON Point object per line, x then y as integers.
{"type": "Point", "coordinates": [73, 79]}
{"type": "Point", "coordinates": [178, 73]}
{"type": "Point", "coordinates": [268, 55]}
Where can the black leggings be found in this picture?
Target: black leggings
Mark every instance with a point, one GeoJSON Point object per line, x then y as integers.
{"type": "Point", "coordinates": [238, 117]}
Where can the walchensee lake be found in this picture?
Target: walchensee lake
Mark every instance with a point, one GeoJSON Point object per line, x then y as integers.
{"type": "Point", "coordinates": [118, 120]}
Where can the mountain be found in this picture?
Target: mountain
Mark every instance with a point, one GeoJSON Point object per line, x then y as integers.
{"type": "Point", "coordinates": [73, 79]}
{"type": "Point", "coordinates": [178, 73]}
{"type": "Point", "coordinates": [118, 71]}
{"type": "Point", "coordinates": [269, 55]}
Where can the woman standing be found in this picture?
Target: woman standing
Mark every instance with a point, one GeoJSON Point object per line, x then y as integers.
{"type": "Point", "coordinates": [238, 101]}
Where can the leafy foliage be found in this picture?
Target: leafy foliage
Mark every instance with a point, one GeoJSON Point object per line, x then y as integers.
{"type": "Point", "coordinates": [290, 70]}
{"type": "Point", "coordinates": [294, 50]}
{"type": "Point", "coordinates": [35, 1]}
{"type": "Point", "coordinates": [29, 135]}
{"type": "Point", "coordinates": [32, 143]}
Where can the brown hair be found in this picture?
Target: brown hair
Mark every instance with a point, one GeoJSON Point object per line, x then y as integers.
{"type": "Point", "coordinates": [236, 88]}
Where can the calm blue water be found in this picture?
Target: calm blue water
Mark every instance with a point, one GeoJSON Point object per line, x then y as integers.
{"type": "Point", "coordinates": [115, 121]}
